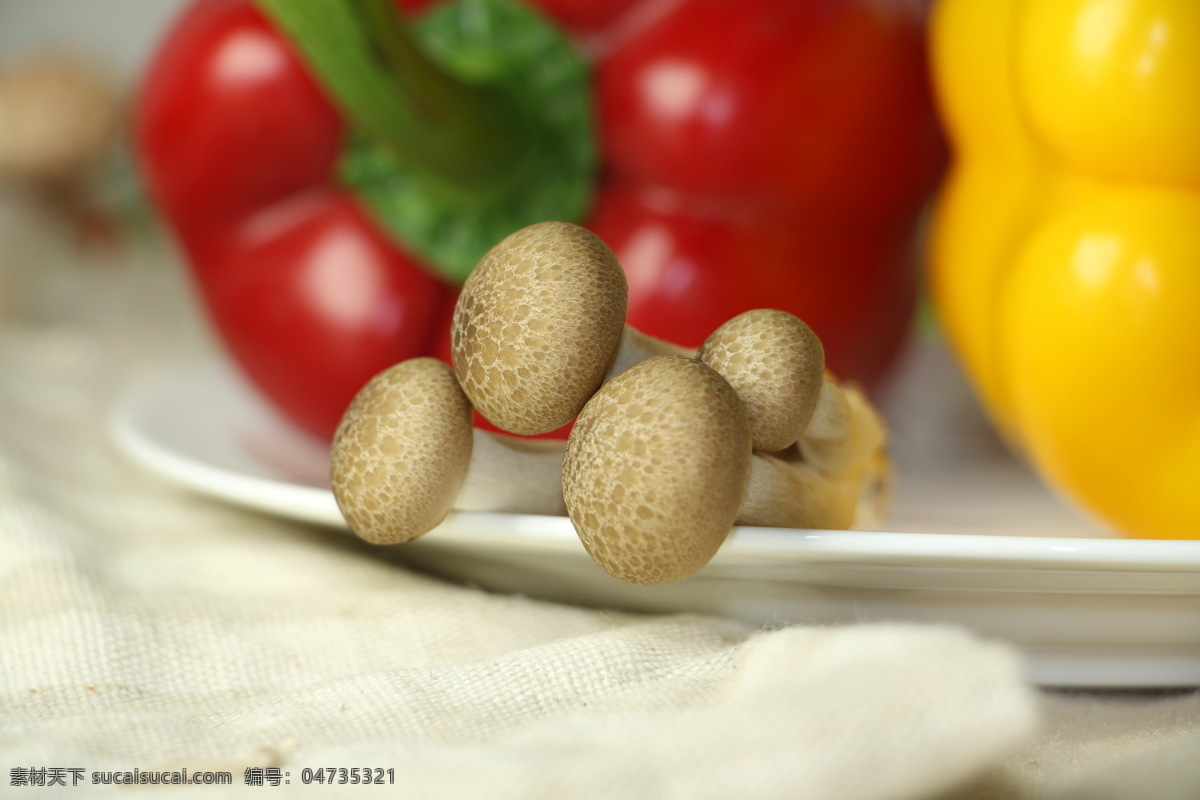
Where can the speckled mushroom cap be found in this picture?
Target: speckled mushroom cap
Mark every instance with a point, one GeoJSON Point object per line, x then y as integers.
{"type": "Point", "coordinates": [656, 469]}
{"type": "Point", "coordinates": [402, 451]}
{"type": "Point", "coordinates": [537, 325]}
{"type": "Point", "coordinates": [776, 363]}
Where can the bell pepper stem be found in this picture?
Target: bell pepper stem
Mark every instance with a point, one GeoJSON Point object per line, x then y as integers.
{"type": "Point", "coordinates": [458, 137]}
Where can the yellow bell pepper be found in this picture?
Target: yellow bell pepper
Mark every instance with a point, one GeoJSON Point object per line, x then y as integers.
{"type": "Point", "coordinates": [1065, 244]}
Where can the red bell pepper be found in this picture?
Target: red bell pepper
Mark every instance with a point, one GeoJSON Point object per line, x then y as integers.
{"type": "Point", "coordinates": [757, 153]}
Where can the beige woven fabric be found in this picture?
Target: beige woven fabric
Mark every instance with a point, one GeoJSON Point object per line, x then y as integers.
{"type": "Point", "coordinates": [1102, 746]}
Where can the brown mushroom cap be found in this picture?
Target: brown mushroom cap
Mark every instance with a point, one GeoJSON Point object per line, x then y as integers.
{"type": "Point", "coordinates": [656, 469]}
{"type": "Point", "coordinates": [402, 451]}
{"type": "Point", "coordinates": [776, 363]}
{"type": "Point", "coordinates": [537, 325]}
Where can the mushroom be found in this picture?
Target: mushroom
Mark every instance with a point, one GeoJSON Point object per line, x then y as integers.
{"type": "Point", "coordinates": [540, 325]}
{"type": "Point", "coordinates": [777, 365]}
{"type": "Point", "coordinates": [659, 468]}
{"type": "Point", "coordinates": [59, 115]}
{"type": "Point", "coordinates": [406, 453]}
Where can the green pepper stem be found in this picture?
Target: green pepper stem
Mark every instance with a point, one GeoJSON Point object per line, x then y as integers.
{"type": "Point", "coordinates": [457, 137]}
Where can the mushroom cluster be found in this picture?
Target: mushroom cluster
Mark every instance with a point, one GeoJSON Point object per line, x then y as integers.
{"type": "Point", "coordinates": [670, 449]}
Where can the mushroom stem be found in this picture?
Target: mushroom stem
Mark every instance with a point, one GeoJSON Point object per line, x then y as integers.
{"type": "Point", "coordinates": [513, 475]}
{"type": "Point", "coordinates": [635, 347]}
{"type": "Point", "coordinates": [803, 487]}
{"type": "Point", "coordinates": [783, 493]}
{"type": "Point", "coordinates": [406, 454]}
{"type": "Point", "coordinates": [843, 429]}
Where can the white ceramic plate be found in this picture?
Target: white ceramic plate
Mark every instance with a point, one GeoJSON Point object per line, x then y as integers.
{"type": "Point", "coordinates": [972, 539]}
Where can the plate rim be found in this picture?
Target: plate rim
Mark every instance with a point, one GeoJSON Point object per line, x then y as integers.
{"type": "Point", "coordinates": [304, 503]}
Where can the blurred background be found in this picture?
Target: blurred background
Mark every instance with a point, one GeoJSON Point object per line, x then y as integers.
{"type": "Point", "coordinates": [120, 34]}
{"type": "Point", "coordinates": [68, 188]}
{"type": "Point", "coordinates": [840, 255]}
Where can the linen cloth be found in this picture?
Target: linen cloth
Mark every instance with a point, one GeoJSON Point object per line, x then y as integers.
{"type": "Point", "coordinates": [142, 627]}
